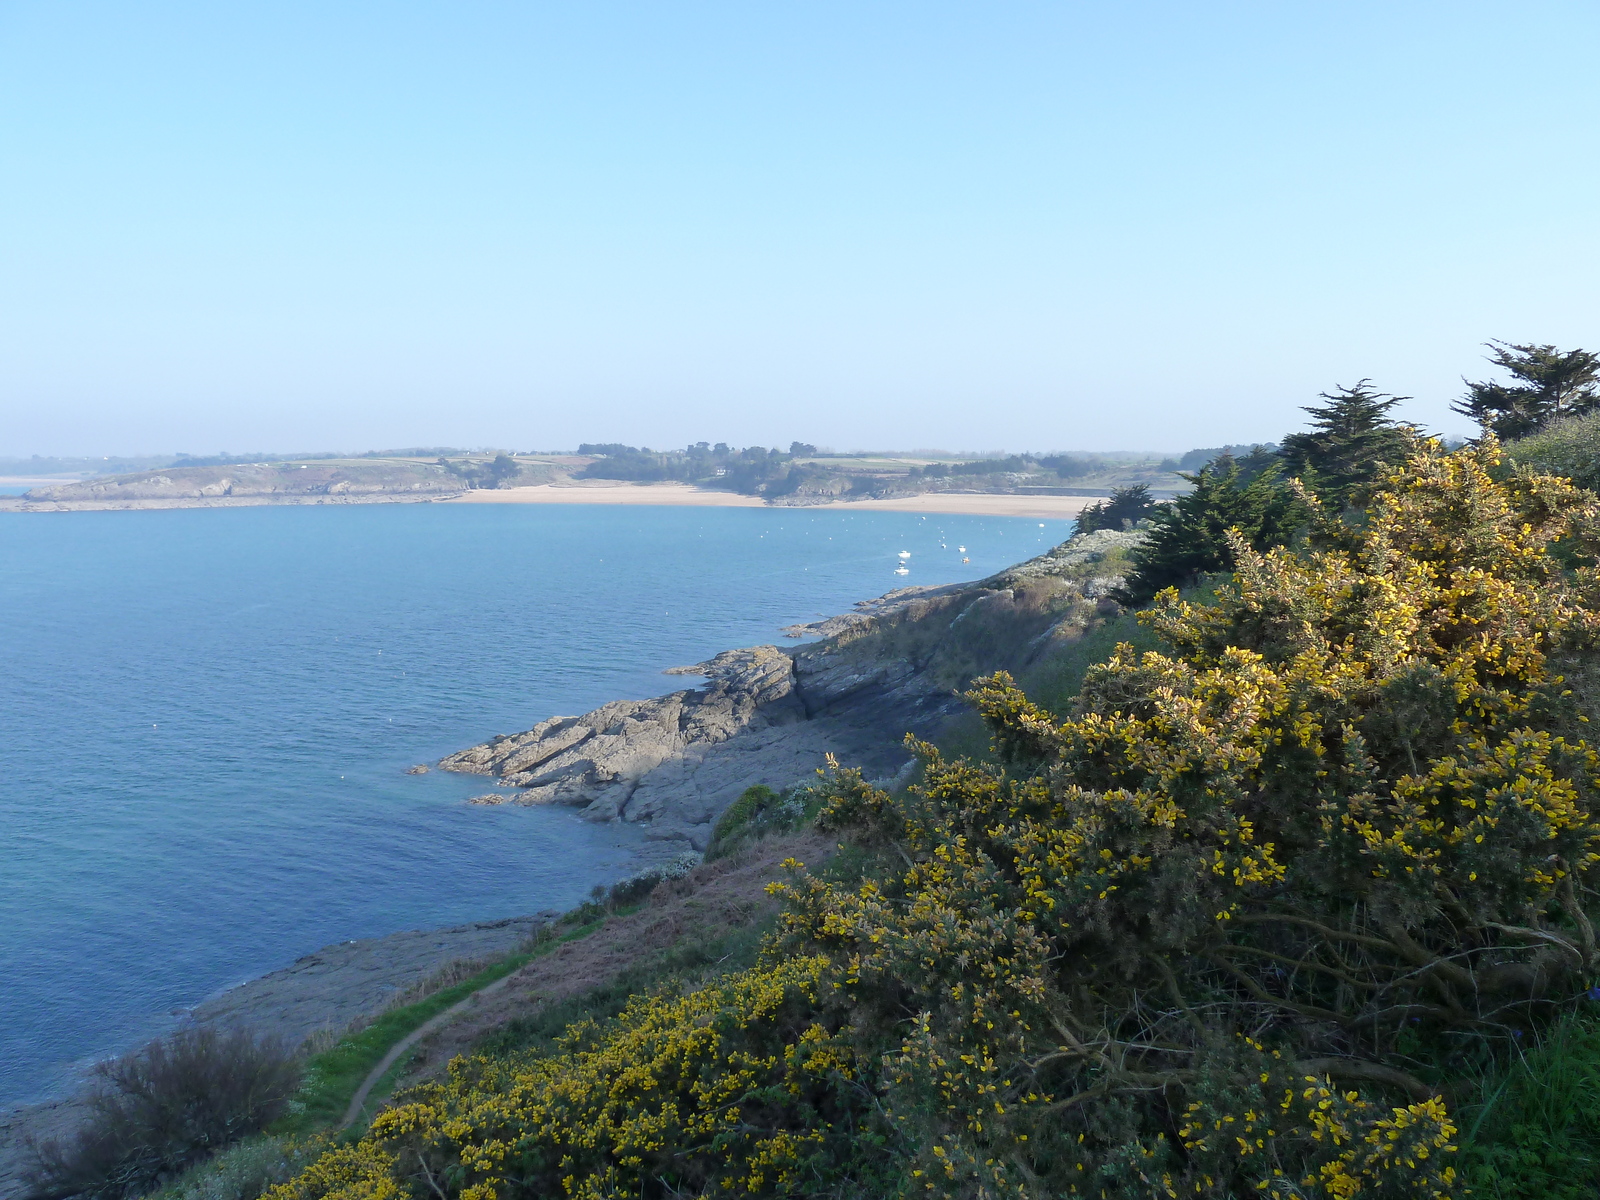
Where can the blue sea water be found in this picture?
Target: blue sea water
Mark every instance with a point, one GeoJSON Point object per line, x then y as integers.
{"type": "Point", "coordinates": [207, 716]}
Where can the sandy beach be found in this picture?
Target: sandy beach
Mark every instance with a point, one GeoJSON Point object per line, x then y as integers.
{"type": "Point", "coordinates": [980, 504]}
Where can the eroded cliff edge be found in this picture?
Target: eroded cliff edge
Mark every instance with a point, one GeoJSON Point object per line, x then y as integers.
{"type": "Point", "coordinates": [770, 714]}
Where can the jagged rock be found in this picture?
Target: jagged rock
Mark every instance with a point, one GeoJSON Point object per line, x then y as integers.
{"type": "Point", "coordinates": [598, 759]}
{"type": "Point", "coordinates": [419, 769]}
{"type": "Point", "coordinates": [767, 715]}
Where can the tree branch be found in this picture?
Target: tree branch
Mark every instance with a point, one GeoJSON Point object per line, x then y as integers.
{"type": "Point", "coordinates": [1358, 1068]}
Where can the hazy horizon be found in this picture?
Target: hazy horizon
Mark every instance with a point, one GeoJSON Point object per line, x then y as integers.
{"type": "Point", "coordinates": [414, 451]}
{"type": "Point", "coordinates": [1042, 225]}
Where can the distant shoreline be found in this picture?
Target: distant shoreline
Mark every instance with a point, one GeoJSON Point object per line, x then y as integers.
{"type": "Point", "coordinates": [977, 504]}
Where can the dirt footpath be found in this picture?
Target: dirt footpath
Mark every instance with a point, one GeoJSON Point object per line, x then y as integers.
{"type": "Point", "coordinates": [714, 899]}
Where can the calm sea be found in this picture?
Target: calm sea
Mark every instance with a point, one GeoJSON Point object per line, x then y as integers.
{"type": "Point", "coordinates": [207, 715]}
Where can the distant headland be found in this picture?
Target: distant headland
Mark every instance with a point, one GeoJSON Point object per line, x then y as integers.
{"type": "Point", "coordinates": [1047, 486]}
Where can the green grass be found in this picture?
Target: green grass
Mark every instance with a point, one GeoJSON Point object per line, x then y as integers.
{"type": "Point", "coordinates": [1535, 1134]}
{"type": "Point", "coordinates": [1052, 684]}
{"type": "Point", "coordinates": [381, 1091]}
{"type": "Point", "coordinates": [1055, 683]}
{"type": "Point", "coordinates": [333, 1076]}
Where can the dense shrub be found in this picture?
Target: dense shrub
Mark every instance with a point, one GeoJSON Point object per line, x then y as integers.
{"type": "Point", "coordinates": [637, 887]}
{"type": "Point", "coordinates": [1193, 536]}
{"type": "Point", "coordinates": [157, 1111]}
{"type": "Point", "coordinates": [1235, 927]}
{"type": "Point", "coordinates": [1570, 447]}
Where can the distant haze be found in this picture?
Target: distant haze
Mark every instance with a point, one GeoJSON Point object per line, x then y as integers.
{"type": "Point", "coordinates": [1033, 226]}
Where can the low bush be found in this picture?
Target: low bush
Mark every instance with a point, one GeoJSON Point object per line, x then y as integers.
{"type": "Point", "coordinates": [1570, 447]}
{"type": "Point", "coordinates": [244, 1171]}
{"type": "Point", "coordinates": [759, 812]}
{"type": "Point", "coordinates": [686, 963]}
{"type": "Point", "coordinates": [1248, 922]}
{"type": "Point", "coordinates": [155, 1112]}
{"type": "Point", "coordinates": [636, 888]}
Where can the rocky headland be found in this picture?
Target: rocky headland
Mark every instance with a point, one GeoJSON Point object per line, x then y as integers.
{"type": "Point", "coordinates": [771, 714]}
{"type": "Point", "coordinates": [330, 481]}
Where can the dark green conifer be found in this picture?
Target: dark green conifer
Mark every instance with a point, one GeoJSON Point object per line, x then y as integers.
{"type": "Point", "coordinates": [1351, 440]}
{"type": "Point", "coordinates": [1125, 505]}
{"type": "Point", "coordinates": [1189, 536]}
{"type": "Point", "coordinates": [1551, 385]}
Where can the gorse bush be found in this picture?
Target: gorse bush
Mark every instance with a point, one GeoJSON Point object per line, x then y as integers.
{"type": "Point", "coordinates": [1236, 926]}
{"type": "Point", "coordinates": [155, 1112]}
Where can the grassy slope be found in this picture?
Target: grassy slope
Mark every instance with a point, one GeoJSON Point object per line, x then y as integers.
{"type": "Point", "coordinates": [333, 1076]}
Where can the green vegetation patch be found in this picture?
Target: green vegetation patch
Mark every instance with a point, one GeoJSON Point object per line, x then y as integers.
{"type": "Point", "coordinates": [334, 1075]}
{"type": "Point", "coordinates": [1535, 1135]}
{"type": "Point", "coordinates": [1250, 920]}
{"type": "Point", "coordinates": [689, 961]}
{"type": "Point", "coordinates": [1569, 447]}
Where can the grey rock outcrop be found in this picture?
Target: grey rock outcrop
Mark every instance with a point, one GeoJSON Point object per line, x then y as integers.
{"type": "Point", "coordinates": [598, 760]}
{"type": "Point", "coordinates": [894, 666]}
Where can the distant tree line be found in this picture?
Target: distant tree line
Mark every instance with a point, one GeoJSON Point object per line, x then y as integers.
{"type": "Point", "coordinates": [750, 470]}
{"type": "Point", "coordinates": [500, 471]}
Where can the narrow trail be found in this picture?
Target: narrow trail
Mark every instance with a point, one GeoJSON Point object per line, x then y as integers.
{"type": "Point", "coordinates": [711, 903]}
{"type": "Point", "coordinates": [359, 1100]}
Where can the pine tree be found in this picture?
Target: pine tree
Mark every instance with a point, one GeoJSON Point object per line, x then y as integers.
{"type": "Point", "coordinates": [1551, 385]}
{"type": "Point", "coordinates": [1125, 504]}
{"type": "Point", "coordinates": [1351, 440]}
{"type": "Point", "coordinates": [1189, 536]}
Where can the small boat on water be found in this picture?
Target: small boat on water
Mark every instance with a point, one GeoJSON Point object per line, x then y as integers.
{"type": "Point", "coordinates": [905, 554]}
{"type": "Point", "coordinates": [961, 550]}
{"type": "Point", "coordinates": [901, 571]}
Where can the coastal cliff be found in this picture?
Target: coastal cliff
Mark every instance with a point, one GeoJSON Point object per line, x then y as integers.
{"type": "Point", "coordinates": [768, 714]}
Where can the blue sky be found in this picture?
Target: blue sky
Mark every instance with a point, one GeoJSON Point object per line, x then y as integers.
{"type": "Point", "coordinates": [1050, 226]}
